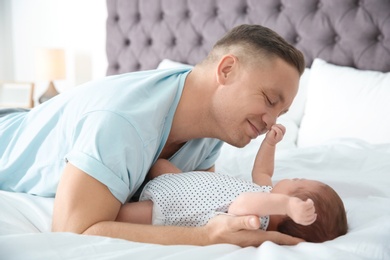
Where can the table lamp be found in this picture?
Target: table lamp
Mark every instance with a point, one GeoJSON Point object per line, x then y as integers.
{"type": "Point", "coordinates": [49, 66]}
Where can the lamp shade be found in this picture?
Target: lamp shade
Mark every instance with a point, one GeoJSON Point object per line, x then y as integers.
{"type": "Point", "coordinates": [49, 64]}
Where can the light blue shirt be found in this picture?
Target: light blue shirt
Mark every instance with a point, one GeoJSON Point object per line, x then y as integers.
{"type": "Point", "coordinates": [113, 129]}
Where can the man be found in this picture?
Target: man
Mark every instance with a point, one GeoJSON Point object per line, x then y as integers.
{"type": "Point", "coordinates": [92, 147]}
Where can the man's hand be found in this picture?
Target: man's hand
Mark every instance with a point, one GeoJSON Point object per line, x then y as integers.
{"type": "Point", "coordinates": [302, 212]}
{"type": "Point", "coordinates": [243, 231]}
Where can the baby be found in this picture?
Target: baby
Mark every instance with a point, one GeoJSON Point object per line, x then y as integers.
{"type": "Point", "coordinates": [302, 208]}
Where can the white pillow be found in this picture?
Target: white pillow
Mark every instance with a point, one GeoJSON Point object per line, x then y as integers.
{"type": "Point", "coordinates": [298, 106]}
{"type": "Point", "coordinates": [170, 64]}
{"type": "Point", "coordinates": [344, 102]}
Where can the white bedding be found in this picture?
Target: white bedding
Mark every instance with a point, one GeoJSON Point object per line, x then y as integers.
{"type": "Point", "coordinates": [358, 171]}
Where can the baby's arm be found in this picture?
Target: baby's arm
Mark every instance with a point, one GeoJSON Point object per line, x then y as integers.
{"type": "Point", "coordinates": [263, 168]}
{"type": "Point", "coordinates": [161, 167]}
{"type": "Point", "coordinates": [262, 204]}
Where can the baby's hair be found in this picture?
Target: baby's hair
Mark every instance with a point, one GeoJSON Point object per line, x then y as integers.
{"type": "Point", "coordinates": [331, 219]}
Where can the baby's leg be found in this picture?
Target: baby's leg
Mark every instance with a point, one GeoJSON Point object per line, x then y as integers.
{"type": "Point", "coordinates": [136, 212]}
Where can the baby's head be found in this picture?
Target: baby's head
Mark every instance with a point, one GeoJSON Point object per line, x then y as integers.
{"type": "Point", "coordinates": [331, 219]}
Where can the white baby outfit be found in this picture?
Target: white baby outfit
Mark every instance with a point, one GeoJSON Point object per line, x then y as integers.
{"type": "Point", "coordinates": [192, 198]}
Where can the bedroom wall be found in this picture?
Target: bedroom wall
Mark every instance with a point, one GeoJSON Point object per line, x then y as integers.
{"type": "Point", "coordinates": [6, 61]}
{"type": "Point", "coordinates": [78, 26]}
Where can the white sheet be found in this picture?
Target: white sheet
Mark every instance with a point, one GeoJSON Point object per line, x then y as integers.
{"type": "Point", "coordinates": [358, 171]}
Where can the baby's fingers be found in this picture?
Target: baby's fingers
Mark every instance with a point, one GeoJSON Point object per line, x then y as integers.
{"type": "Point", "coordinates": [279, 129]}
{"type": "Point", "coordinates": [311, 216]}
{"type": "Point", "coordinates": [312, 219]}
{"type": "Point", "coordinates": [308, 219]}
{"type": "Point", "coordinates": [276, 132]}
{"type": "Point", "coordinates": [309, 202]}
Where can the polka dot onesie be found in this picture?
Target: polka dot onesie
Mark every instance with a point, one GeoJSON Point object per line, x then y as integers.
{"type": "Point", "coordinates": [192, 198]}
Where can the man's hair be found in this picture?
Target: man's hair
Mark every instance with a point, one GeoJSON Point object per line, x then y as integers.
{"type": "Point", "coordinates": [331, 219]}
{"type": "Point", "coordinates": [256, 41]}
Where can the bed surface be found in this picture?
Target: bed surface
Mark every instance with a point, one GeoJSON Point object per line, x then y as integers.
{"type": "Point", "coordinates": [25, 220]}
{"type": "Point", "coordinates": [353, 33]}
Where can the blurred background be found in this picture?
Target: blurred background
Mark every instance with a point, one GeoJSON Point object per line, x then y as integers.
{"type": "Point", "coordinates": [70, 26]}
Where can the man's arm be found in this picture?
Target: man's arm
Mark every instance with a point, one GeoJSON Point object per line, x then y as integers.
{"type": "Point", "coordinates": [83, 205]}
{"type": "Point", "coordinates": [262, 204]}
{"type": "Point", "coordinates": [82, 201]}
{"type": "Point", "coordinates": [163, 166]}
{"type": "Point", "coordinates": [263, 167]}
{"type": "Point", "coordinates": [211, 169]}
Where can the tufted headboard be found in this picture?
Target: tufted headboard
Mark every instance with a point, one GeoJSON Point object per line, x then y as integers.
{"type": "Point", "coordinates": [140, 33]}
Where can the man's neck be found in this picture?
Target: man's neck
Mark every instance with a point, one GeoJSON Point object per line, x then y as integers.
{"type": "Point", "coordinates": [191, 119]}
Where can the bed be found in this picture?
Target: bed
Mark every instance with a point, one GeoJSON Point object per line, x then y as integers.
{"type": "Point", "coordinates": [337, 128]}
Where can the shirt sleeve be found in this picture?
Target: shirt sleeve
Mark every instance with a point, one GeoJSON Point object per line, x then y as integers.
{"type": "Point", "coordinates": [212, 157]}
{"type": "Point", "coordinates": [107, 147]}
{"type": "Point", "coordinates": [197, 154]}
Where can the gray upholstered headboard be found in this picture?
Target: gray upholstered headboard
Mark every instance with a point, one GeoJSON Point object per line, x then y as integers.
{"type": "Point", "coordinates": [140, 33]}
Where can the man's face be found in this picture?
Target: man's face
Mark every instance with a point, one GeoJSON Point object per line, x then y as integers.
{"type": "Point", "coordinates": [249, 104]}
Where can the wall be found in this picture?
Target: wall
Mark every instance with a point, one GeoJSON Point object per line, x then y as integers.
{"type": "Point", "coordinates": [6, 60]}
{"type": "Point", "coordinates": [78, 26]}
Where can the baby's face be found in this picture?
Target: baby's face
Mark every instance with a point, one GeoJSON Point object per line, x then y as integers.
{"type": "Point", "coordinates": [287, 186]}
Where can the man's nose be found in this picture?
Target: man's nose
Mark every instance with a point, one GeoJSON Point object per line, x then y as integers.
{"type": "Point", "coordinates": [270, 121]}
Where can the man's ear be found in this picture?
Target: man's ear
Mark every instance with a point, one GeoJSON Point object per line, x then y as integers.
{"type": "Point", "coordinates": [225, 68]}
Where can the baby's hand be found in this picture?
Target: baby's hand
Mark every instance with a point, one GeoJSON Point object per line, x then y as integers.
{"type": "Point", "coordinates": [275, 135]}
{"type": "Point", "coordinates": [302, 212]}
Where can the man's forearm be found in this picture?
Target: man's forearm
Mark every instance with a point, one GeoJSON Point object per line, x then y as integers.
{"type": "Point", "coordinates": [165, 235]}
{"type": "Point", "coordinates": [220, 229]}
